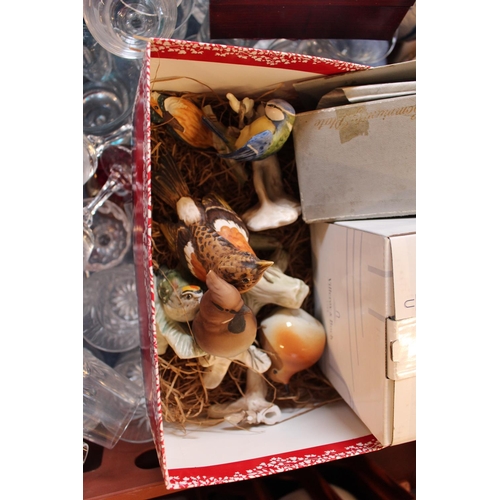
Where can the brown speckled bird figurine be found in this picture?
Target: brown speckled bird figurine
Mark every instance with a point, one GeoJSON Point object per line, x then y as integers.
{"type": "Point", "coordinates": [183, 118]}
{"type": "Point", "coordinates": [209, 234]}
{"type": "Point", "coordinates": [224, 326]}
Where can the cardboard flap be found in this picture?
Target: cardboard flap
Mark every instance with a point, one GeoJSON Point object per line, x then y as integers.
{"type": "Point", "coordinates": [364, 93]}
{"type": "Point", "coordinates": [401, 351]}
{"type": "Point", "coordinates": [312, 91]}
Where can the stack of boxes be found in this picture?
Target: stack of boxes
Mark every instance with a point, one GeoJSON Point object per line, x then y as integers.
{"type": "Point", "coordinates": [356, 161]}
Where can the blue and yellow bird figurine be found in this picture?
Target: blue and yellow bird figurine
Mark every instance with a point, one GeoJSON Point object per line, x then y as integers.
{"type": "Point", "coordinates": [183, 119]}
{"type": "Point", "coordinates": [261, 138]}
{"type": "Point", "coordinates": [209, 235]}
{"type": "Point", "coordinates": [180, 299]}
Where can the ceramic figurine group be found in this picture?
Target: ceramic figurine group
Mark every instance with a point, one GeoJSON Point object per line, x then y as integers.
{"type": "Point", "coordinates": [207, 307]}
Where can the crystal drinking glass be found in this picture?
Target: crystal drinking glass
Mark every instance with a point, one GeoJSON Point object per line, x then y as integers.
{"type": "Point", "coordinates": [110, 308]}
{"type": "Point", "coordinates": [89, 159]}
{"type": "Point", "coordinates": [97, 61]}
{"type": "Point", "coordinates": [107, 229]}
{"type": "Point", "coordinates": [109, 402]}
{"type": "Point", "coordinates": [108, 103]}
{"type": "Point", "coordinates": [129, 365]}
{"type": "Point", "coordinates": [184, 11]}
{"type": "Point", "coordinates": [123, 26]}
{"type": "Point", "coordinates": [369, 52]}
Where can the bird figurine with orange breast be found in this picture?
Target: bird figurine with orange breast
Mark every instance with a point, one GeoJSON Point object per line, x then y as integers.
{"type": "Point", "coordinates": [294, 340]}
{"type": "Point", "coordinates": [183, 119]}
{"type": "Point", "coordinates": [224, 326]}
{"type": "Point", "coordinates": [209, 235]}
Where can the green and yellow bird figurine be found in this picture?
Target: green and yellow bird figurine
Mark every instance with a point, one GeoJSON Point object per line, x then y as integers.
{"type": "Point", "coordinates": [180, 299]}
{"type": "Point", "coordinates": [209, 235]}
{"type": "Point", "coordinates": [262, 137]}
{"type": "Point", "coordinates": [183, 119]}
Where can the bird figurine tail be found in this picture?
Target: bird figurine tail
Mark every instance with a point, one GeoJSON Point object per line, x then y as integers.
{"type": "Point", "coordinates": [168, 185]}
{"type": "Point", "coordinates": [220, 131]}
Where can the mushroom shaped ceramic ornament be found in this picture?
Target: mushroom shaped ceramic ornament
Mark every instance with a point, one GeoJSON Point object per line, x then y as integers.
{"type": "Point", "coordinates": [216, 367]}
{"type": "Point", "coordinates": [224, 326]}
{"type": "Point", "coordinates": [275, 208]}
{"type": "Point", "coordinates": [295, 341]}
{"type": "Point", "coordinates": [250, 409]}
{"type": "Point", "coordinates": [275, 287]}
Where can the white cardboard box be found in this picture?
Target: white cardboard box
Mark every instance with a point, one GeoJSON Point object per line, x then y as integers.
{"type": "Point", "coordinates": [357, 160]}
{"type": "Point", "coordinates": [364, 287]}
{"type": "Point", "coordinates": [221, 454]}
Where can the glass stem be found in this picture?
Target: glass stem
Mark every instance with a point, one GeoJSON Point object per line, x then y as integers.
{"type": "Point", "coordinates": [111, 186]}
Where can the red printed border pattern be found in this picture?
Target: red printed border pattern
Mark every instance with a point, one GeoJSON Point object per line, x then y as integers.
{"type": "Point", "coordinates": [210, 52]}
{"type": "Point", "coordinates": [265, 466]}
{"type": "Point", "coordinates": [143, 256]}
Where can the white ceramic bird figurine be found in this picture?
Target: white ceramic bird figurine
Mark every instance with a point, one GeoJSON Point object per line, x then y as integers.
{"type": "Point", "coordinates": [262, 137]}
{"type": "Point", "coordinates": [294, 339]}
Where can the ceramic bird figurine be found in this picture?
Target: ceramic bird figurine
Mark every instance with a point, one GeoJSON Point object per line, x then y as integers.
{"type": "Point", "coordinates": [179, 299]}
{"type": "Point", "coordinates": [224, 325]}
{"type": "Point", "coordinates": [183, 118]}
{"type": "Point", "coordinates": [262, 137]}
{"type": "Point", "coordinates": [208, 235]}
{"type": "Point", "coordinates": [294, 340]}
{"type": "Point", "coordinates": [178, 336]}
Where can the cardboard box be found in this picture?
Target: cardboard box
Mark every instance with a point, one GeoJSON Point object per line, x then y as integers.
{"type": "Point", "coordinates": [364, 286]}
{"type": "Point", "coordinates": [223, 454]}
{"type": "Point", "coordinates": [358, 160]}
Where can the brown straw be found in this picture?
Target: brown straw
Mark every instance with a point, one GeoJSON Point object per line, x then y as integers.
{"type": "Point", "coordinates": [184, 397]}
